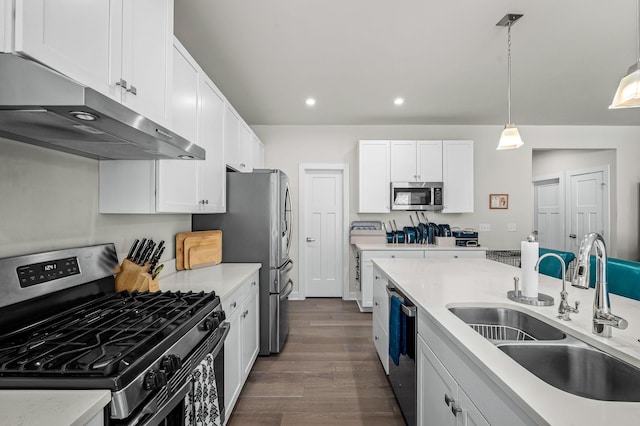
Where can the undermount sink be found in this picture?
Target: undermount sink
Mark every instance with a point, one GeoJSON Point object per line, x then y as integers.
{"type": "Point", "coordinates": [579, 369]}
{"type": "Point", "coordinates": [504, 324]}
{"type": "Point", "coordinates": [561, 360]}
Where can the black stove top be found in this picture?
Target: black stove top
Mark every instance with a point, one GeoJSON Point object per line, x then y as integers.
{"type": "Point", "coordinates": [103, 337]}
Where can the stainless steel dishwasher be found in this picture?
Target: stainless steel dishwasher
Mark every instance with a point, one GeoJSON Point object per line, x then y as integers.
{"type": "Point", "coordinates": [403, 375]}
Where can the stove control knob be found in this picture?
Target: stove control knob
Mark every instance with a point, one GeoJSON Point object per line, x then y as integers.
{"type": "Point", "coordinates": [154, 379]}
{"type": "Point", "coordinates": [170, 364]}
{"type": "Point", "coordinates": [209, 324]}
{"type": "Point", "coordinates": [220, 315]}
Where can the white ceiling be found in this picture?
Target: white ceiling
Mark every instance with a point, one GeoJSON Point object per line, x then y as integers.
{"type": "Point", "coordinates": [446, 58]}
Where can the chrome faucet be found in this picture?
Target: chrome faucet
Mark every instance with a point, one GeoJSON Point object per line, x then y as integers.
{"type": "Point", "coordinates": [564, 310]}
{"type": "Point", "coordinates": [603, 319]}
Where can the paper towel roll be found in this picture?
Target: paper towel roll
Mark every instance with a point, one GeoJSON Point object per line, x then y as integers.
{"type": "Point", "coordinates": [529, 256]}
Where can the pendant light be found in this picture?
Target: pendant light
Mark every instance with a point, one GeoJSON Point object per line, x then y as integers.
{"type": "Point", "coordinates": [628, 93]}
{"type": "Point", "coordinates": [510, 137]}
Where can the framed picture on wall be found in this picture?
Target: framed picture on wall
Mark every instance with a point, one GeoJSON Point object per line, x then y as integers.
{"type": "Point", "coordinates": [498, 201]}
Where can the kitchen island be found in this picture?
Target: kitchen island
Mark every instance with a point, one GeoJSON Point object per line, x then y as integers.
{"type": "Point", "coordinates": [365, 252]}
{"type": "Point", "coordinates": [503, 391]}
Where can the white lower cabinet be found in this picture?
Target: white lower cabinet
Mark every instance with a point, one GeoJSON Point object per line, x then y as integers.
{"type": "Point", "coordinates": [242, 343]}
{"type": "Point", "coordinates": [452, 390]}
{"type": "Point", "coordinates": [441, 401]}
{"type": "Point", "coordinates": [381, 318]}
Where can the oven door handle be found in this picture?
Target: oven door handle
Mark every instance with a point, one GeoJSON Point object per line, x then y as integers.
{"type": "Point", "coordinates": [392, 292]}
{"type": "Point", "coordinates": [151, 416]}
{"type": "Point", "coordinates": [216, 350]}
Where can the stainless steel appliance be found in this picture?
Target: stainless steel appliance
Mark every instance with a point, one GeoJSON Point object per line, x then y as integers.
{"type": "Point", "coordinates": [416, 195]}
{"type": "Point", "coordinates": [62, 326]}
{"type": "Point", "coordinates": [403, 375]}
{"type": "Point", "coordinates": [258, 228]}
{"type": "Point", "coordinates": [43, 107]}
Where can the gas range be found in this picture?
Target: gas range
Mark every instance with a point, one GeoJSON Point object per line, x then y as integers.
{"type": "Point", "coordinates": [77, 333]}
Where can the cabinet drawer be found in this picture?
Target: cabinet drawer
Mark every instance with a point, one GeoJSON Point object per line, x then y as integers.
{"type": "Point", "coordinates": [386, 254]}
{"type": "Point", "coordinates": [381, 342]}
{"type": "Point", "coordinates": [231, 303]}
{"type": "Point", "coordinates": [380, 302]}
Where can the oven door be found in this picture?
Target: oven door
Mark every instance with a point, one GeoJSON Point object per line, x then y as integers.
{"type": "Point", "coordinates": [174, 403]}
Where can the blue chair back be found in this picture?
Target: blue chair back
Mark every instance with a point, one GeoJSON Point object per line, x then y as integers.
{"type": "Point", "coordinates": [552, 267]}
{"type": "Point", "coordinates": [623, 277]}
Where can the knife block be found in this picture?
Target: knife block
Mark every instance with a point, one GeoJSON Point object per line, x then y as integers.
{"type": "Point", "coordinates": [133, 277]}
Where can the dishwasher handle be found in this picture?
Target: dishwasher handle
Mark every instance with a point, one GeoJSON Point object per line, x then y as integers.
{"type": "Point", "coordinates": [409, 311]}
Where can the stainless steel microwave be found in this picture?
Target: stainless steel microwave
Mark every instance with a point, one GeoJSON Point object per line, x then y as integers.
{"type": "Point", "coordinates": [416, 195]}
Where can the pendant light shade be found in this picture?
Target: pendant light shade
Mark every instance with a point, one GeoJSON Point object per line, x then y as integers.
{"type": "Point", "coordinates": [628, 93]}
{"type": "Point", "coordinates": [510, 136]}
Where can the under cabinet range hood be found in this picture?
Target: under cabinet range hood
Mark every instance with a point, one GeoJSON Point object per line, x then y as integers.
{"type": "Point", "coordinates": [42, 107]}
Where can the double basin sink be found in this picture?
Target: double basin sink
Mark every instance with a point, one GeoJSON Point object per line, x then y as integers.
{"type": "Point", "coordinates": [555, 357]}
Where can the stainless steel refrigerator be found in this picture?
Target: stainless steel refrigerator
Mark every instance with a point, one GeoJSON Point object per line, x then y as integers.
{"type": "Point", "coordinates": [258, 228]}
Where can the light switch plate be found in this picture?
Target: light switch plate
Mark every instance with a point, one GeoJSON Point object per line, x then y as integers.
{"type": "Point", "coordinates": [511, 227]}
{"type": "Point", "coordinates": [485, 227]}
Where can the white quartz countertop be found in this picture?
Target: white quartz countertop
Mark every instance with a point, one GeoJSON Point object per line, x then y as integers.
{"type": "Point", "coordinates": [427, 247]}
{"type": "Point", "coordinates": [223, 278]}
{"type": "Point", "coordinates": [51, 408]}
{"type": "Point", "coordinates": [434, 285]}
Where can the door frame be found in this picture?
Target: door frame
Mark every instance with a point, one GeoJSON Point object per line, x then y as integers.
{"type": "Point", "coordinates": [304, 168]}
{"type": "Point", "coordinates": [560, 178]}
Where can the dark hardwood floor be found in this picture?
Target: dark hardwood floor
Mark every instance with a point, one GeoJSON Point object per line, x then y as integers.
{"type": "Point", "coordinates": [327, 374]}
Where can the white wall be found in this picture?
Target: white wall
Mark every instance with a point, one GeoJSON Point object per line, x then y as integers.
{"type": "Point", "coordinates": [49, 200]}
{"type": "Point", "coordinates": [507, 172]}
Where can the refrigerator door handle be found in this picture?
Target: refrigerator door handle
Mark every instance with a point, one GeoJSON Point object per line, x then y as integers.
{"type": "Point", "coordinates": [287, 267]}
{"type": "Point", "coordinates": [288, 290]}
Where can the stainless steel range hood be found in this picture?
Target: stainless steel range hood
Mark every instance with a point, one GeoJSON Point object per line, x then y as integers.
{"type": "Point", "coordinates": [42, 107]}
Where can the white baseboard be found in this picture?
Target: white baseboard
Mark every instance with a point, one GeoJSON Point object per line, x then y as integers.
{"type": "Point", "coordinates": [295, 295]}
{"type": "Point", "coordinates": [352, 296]}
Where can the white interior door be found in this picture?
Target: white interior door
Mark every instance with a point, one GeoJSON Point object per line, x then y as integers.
{"type": "Point", "coordinates": [549, 215]}
{"type": "Point", "coordinates": [587, 206]}
{"type": "Point", "coordinates": [322, 232]}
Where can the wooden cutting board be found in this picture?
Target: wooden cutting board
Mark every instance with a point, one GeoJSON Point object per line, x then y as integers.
{"type": "Point", "coordinates": [188, 240]}
{"type": "Point", "coordinates": [203, 255]}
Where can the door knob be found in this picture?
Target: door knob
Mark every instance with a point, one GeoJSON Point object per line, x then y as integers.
{"type": "Point", "coordinates": [310, 240]}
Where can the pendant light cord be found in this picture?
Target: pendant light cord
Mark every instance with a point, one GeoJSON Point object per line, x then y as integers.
{"type": "Point", "coordinates": [509, 69]}
{"type": "Point", "coordinates": [638, 31]}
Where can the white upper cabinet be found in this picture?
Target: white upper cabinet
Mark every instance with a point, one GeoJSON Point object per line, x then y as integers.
{"type": "Point", "coordinates": [231, 137]}
{"type": "Point", "coordinates": [211, 138]}
{"type": "Point", "coordinates": [416, 161]}
{"type": "Point", "coordinates": [457, 161]}
{"type": "Point", "coordinates": [429, 161]}
{"type": "Point", "coordinates": [176, 186]}
{"type": "Point", "coordinates": [121, 49]}
{"type": "Point", "coordinates": [373, 177]}
{"type": "Point", "coordinates": [239, 142]}
{"type": "Point", "coordinates": [258, 153]}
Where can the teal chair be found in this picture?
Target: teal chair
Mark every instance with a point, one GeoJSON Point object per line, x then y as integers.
{"type": "Point", "coordinates": [550, 266]}
{"type": "Point", "coordinates": [623, 277]}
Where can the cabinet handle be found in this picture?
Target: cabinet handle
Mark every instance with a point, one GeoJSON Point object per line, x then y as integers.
{"type": "Point", "coordinates": [122, 83]}
{"type": "Point", "coordinates": [132, 90]}
{"type": "Point", "coordinates": [253, 283]}
{"type": "Point", "coordinates": [206, 201]}
{"type": "Point", "coordinates": [455, 409]}
{"type": "Point", "coordinates": [448, 400]}
{"type": "Point", "coordinates": [233, 305]}
{"type": "Point", "coordinates": [376, 337]}
{"type": "Point", "coordinates": [376, 303]}
{"type": "Point", "coordinates": [393, 257]}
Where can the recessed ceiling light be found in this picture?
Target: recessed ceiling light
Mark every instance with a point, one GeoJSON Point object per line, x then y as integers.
{"type": "Point", "coordinates": [310, 102]}
{"type": "Point", "coordinates": [398, 101]}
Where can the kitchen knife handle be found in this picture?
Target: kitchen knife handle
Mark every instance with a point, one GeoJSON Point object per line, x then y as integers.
{"type": "Point", "coordinates": [133, 248]}
{"type": "Point", "coordinates": [139, 250]}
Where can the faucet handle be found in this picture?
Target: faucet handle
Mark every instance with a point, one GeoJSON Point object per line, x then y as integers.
{"type": "Point", "coordinates": [516, 286]}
